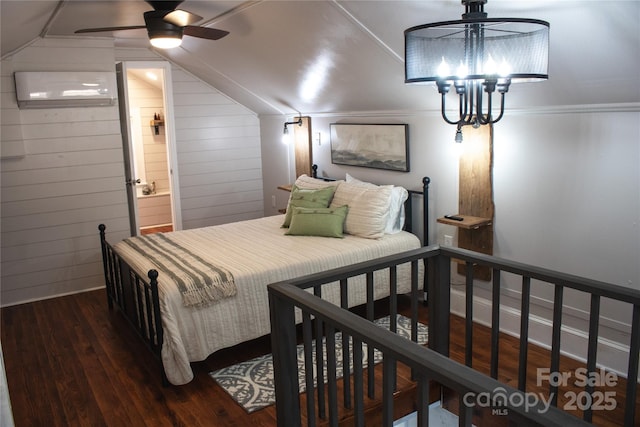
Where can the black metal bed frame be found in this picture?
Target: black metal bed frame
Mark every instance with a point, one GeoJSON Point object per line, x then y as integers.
{"type": "Point", "coordinates": [137, 298]}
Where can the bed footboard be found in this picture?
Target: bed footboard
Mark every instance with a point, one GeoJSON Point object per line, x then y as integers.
{"type": "Point", "coordinates": [135, 296]}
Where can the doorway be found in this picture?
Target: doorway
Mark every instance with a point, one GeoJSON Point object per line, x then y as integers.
{"type": "Point", "coordinates": [146, 120]}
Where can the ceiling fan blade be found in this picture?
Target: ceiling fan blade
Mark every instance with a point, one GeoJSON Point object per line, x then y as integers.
{"type": "Point", "coordinates": [204, 32]}
{"type": "Point", "coordinates": [100, 30]}
{"type": "Point", "coordinates": [182, 18]}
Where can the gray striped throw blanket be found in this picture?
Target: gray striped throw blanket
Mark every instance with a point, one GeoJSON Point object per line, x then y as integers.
{"type": "Point", "coordinates": [198, 281]}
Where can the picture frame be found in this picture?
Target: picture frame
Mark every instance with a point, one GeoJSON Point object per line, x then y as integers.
{"type": "Point", "coordinates": [377, 145]}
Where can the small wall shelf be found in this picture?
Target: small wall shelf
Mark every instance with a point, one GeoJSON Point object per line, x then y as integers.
{"type": "Point", "coordinates": [468, 222]}
{"type": "Point", "coordinates": [155, 124]}
{"type": "Point", "coordinates": [286, 187]}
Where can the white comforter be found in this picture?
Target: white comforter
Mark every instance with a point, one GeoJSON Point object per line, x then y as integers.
{"type": "Point", "coordinates": [257, 253]}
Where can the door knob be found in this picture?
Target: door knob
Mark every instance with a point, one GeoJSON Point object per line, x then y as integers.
{"type": "Point", "coordinates": [133, 182]}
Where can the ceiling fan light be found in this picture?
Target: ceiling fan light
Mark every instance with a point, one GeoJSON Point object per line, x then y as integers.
{"type": "Point", "coordinates": [162, 35]}
{"type": "Point", "coordinates": [165, 42]}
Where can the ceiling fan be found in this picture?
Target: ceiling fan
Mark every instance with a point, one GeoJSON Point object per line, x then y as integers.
{"type": "Point", "coordinates": [166, 25]}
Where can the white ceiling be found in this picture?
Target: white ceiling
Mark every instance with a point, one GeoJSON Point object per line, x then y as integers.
{"type": "Point", "coordinates": [348, 56]}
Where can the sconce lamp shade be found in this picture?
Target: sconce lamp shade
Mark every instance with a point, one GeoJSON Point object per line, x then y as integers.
{"type": "Point", "coordinates": [477, 49]}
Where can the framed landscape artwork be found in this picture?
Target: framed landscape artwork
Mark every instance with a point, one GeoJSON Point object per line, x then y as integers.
{"type": "Point", "coordinates": [380, 146]}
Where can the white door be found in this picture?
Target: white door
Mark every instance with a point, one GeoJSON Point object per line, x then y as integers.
{"type": "Point", "coordinates": [159, 75]}
{"type": "Point", "coordinates": [125, 126]}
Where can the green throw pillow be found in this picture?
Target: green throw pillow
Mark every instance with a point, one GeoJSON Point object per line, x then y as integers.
{"type": "Point", "coordinates": [308, 199]}
{"type": "Point", "coordinates": [324, 222]}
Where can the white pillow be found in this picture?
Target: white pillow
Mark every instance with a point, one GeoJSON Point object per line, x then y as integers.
{"type": "Point", "coordinates": [396, 210]}
{"type": "Point", "coordinates": [306, 182]}
{"type": "Point", "coordinates": [368, 208]}
{"type": "Point", "coordinates": [396, 217]}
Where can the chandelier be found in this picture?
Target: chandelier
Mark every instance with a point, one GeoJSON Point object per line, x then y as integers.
{"type": "Point", "coordinates": [477, 56]}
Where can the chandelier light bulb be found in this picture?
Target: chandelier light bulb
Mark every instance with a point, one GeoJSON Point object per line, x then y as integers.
{"type": "Point", "coordinates": [462, 70]}
{"type": "Point", "coordinates": [443, 69]}
{"type": "Point", "coordinates": [490, 66]}
{"type": "Point", "coordinates": [505, 69]}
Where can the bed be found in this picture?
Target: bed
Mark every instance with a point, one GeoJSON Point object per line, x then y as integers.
{"type": "Point", "coordinates": [184, 318]}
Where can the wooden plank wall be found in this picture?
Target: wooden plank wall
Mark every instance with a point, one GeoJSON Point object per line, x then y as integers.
{"type": "Point", "coordinates": [154, 210]}
{"type": "Point", "coordinates": [149, 99]}
{"type": "Point", "coordinates": [71, 174]}
{"type": "Point", "coordinates": [219, 155]}
{"type": "Point", "coordinates": [475, 195]}
{"type": "Point", "coordinates": [67, 182]}
{"type": "Point", "coordinates": [303, 148]}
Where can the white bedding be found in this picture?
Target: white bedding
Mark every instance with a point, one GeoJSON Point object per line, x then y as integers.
{"type": "Point", "coordinates": [257, 253]}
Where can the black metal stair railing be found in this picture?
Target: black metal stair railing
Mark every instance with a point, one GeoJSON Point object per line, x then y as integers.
{"type": "Point", "coordinates": [427, 364]}
{"type": "Point", "coordinates": [560, 281]}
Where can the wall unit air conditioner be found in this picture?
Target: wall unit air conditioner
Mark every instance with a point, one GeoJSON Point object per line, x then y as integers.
{"type": "Point", "coordinates": [47, 89]}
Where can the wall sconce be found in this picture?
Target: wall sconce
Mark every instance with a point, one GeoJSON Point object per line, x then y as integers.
{"type": "Point", "coordinates": [297, 122]}
{"type": "Point", "coordinates": [477, 56]}
{"type": "Point", "coordinates": [285, 131]}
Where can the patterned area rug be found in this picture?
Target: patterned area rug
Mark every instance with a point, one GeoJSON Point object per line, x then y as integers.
{"type": "Point", "coordinates": [250, 383]}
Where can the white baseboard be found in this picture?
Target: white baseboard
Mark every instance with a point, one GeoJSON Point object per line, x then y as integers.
{"type": "Point", "coordinates": [64, 294]}
{"type": "Point", "coordinates": [612, 356]}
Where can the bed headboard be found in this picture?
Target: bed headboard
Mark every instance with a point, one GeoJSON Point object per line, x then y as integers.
{"type": "Point", "coordinates": [408, 207]}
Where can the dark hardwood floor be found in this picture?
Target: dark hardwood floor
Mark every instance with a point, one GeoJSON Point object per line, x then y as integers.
{"type": "Point", "coordinates": [72, 362]}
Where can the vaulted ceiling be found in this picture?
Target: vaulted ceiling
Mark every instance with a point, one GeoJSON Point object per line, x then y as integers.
{"type": "Point", "coordinates": [313, 57]}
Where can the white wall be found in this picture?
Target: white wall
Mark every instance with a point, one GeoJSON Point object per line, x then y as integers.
{"type": "Point", "coordinates": [68, 181]}
{"type": "Point", "coordinates": [63, 172]}
{"type": "Point", "coordinates": [566, 192]}
{"type": "Point", "coordinates": [432, 153]}
{"type": "Point", "coordinates": [567, 195]}
{"type": "Point", "coordinates": [147, 101]}
{"type": "Point", "coordinates": [218, 150]}
{"type": "Point", "coordinates": [219, 155]}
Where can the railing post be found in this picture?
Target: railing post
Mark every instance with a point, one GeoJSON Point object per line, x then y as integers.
{"type": "Point", "coordinates": [555, 339]}
{"type": "Point", "coordinates": [439, 303]}
{"type": "Point", "coordinates": [103, 247]}
{"type": "Point", "coordinates": [285, 364]}
{"type": "Point", "coordinates": [428, 277]}
{"type": "Point", "coordinates": [632, 370]}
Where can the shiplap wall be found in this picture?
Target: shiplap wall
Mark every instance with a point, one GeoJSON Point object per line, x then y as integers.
{"type": "Point", "coordinates": [154, 210]}
{"type": "Point", "coordinates": [219, 155]}
{"type": "Point", "coordinates": [63, 170]}
{"type": "Point", "coordinates": [67, 182]}
{"type": "Point", "coordinates": [149, 99]}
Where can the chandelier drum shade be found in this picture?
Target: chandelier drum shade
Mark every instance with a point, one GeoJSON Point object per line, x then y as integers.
{"type": "Point", "coordinates": [477, 55]}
